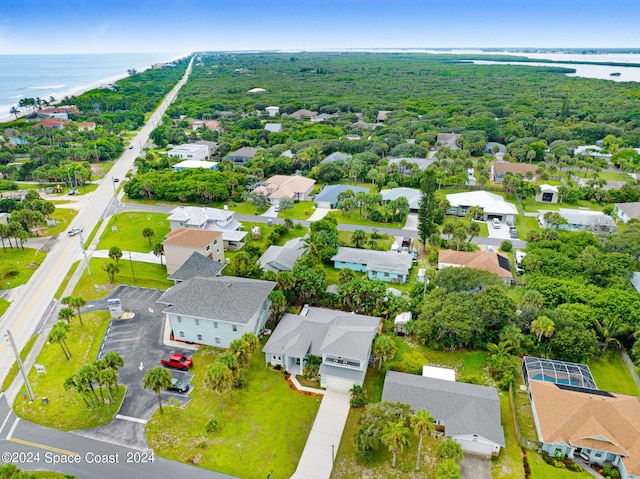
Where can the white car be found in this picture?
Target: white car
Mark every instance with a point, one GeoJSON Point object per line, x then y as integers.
{"type": "Point", "coordinates": [74, 231]}
{"type": "Point", "coordinates": [495, 222]}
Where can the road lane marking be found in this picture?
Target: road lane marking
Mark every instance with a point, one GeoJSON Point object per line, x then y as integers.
{"type": "Point", "coordinates": [13, 428]}
{"type": "Point", "coordinates": [5, 421]}
{"type": "Point", "coordinates": [44, 446]}
{"type": "Point", "coordinates": [132, 419]}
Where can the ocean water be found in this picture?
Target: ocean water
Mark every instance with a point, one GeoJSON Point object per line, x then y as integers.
{"type": "Point", "coordinates": [45, 76]}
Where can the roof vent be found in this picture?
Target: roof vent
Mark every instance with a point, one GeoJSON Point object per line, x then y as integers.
{"type": "Point", "coordinates": [228, 285]}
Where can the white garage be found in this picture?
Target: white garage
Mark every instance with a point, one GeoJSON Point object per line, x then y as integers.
{"type": "Point", "coordinates": [340, 378]}
{"type": "Point", "coordinates": [477, 445]}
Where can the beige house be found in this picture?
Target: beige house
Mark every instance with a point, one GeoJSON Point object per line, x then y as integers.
{"type": "Point", "coordinates": [283, 186]}
{"type": "Point", "coordinates": [498, 170]}
{"type": "Point", "coordinates": [181, 243]}
{"type": "Point", "coordinates": [485, 260]}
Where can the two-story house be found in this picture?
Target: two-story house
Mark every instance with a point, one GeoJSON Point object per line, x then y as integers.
{"type": "Point", "coordinates": [181, 243]}
{"type": "Point", "coordinates": [215, 311]}
{"type": "Point", "coordinates": [213, 219]}
{"type": "Point", "coordinates": [343, 341]}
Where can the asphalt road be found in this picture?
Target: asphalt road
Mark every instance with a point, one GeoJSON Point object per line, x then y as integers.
{"type": "Point", "coordinates": [26, 312]}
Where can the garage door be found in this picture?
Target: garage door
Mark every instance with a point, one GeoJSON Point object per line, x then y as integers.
{"type": "Point", "coordinates": [490, 217]}
{"type": "Point", "coordinates": [339, 383]}
{"type": "Point", "coordinates": [475, 447]}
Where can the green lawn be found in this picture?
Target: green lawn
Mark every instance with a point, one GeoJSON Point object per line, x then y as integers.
{"type": "Point", "coordinates": [128, 233]}
{"type": "Point", "coordinates": [65, 281]}
{"type": "Point", "coordinates": [612, 374]}
{"type": "Point", "coordinates": [263, 427]}
{"type": "Point", "coordinates": [484, 229]}
{"type": "Point", "coordinates": [18, 265]}
{"type": "Point", "coordinates": [509, 464]}
{"type": "Point", "coordinates": [92, 235]}
{"type": "Point", "coordinates": [66, 410]}
{"type": "Point", "coordinates": [265, 230]}
{"type": "Point", "coordinates": [243, 208]}
{"type": "Point", "coordinates": [383, 243]}
{"type": "Point", "coordinates": [605, 175]}
{"type": "Point", "coordinates": [100, 170]}
{"type": "Point", "coordinates": [301, 210]}
{"type": "Point", "coordinates": [63, 216]}
{"type": "Point", "coordinates": [354, 218]}
{"type": "Point", "coordinates": [4, 305]}
{"type": "Point", "coordinates": [530, 205]}
{"type": "Point", "coordinates": [147, 275]}
{"type": "Point", "coordinates": [542, 470]}
{"type": "Point", "coordinates": [524, 224]}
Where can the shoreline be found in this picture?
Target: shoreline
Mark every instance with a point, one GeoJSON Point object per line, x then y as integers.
{"type": "Point", "coordinates": [80, 89]}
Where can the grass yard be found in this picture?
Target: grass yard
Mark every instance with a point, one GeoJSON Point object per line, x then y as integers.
{"type": "Point", "coordinates": [265, 230]}
{"type": "Point", "coordinates": [100, 170]}
{"type": "Point", "coordinates": [243, 208]}
{"type": "Point", "coordinates": [13, 370]}
{"type": "Point", "coordinates": [509, 464]}
{"type": "Point", "coordinates": [524, 224]}
{"type": "Point", "coordinates": [64, 216]}
{"type": "Point", "coordinates": [263, 427]}
{"type": "Point", "coordinates": [530, 205]}
{"type": "Point", "coordinates": [354, 218]}
{"type": "Point", "coordinates": [65, 281]}
{"type": "Point", "coordinates": [301, 210]}
{"type": "Point", "coordinates": [542, 470]}
{"type": "Point", "coordinates": [383, 243]}
{"type": "Point", "coordinates": [612, 374]}
{"type": "Point", "coordinates": [4, 305]}
{"type": "Point", "coordinates": [605, 175]}
{"type": "Point", "coordinates": [96, 286]}
{"type": "Point", "coordinates": [17, 265]}
{"type": "Point", "coordinates": [93, 233]}
{"type": "Point", "coordinates": [128, 236]}
{"type": "Point", "coordinates": [66, 409]}
{"type": "Point", "coordinates": [484, 229]}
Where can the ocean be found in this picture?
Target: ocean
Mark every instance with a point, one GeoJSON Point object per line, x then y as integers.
{"type": "Point", "coordinates": [45, 76]}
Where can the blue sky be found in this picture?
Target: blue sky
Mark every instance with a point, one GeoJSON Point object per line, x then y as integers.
{"type": "Point", "coordinates": [114, 26]}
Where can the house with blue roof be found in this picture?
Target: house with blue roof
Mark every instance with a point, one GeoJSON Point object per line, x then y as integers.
{"type": "Point", "coordinates": [389, 266]}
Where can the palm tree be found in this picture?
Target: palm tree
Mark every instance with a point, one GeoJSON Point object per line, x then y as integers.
{"type": "Point", "coordinates": [252, 341]}
{"type": "Point", "coordinates": [112, 269]}
{"type": "Point", "coordinates": [14, 111]}
{"type": "Point", "coordinates": [395, 436]}
{"type": "Point", "coordinates": [286, 281]}
{"type": "Point", "coordinates": [278, 304]}
{"type": "Point", "coordinates": [87, 375]}
{"type": "Point", "coordinates": [65, 314]}
{"type": "Point", "coordinates": [108, 377]}
{"type": "Point", "coordinates": [384, 347]}
{"type": "Point", "coordinates": [115, 254]}
{"type": "Point", "coordinates": [157, 379]}
{"type": "Point", "coordinates": [448, 229]}
{"type": "Point", "coordinates": [543, 326]}
{"type": "Point", "coordinates": [77, 302]}
{"type": "Point", "coordinates": [72, 383]}
{"type": "Point", "coordinates": [158, 250]}
{"type": "Point", "coordinates": [58, 335]}
{"type": "Point", "coordinates": [357, 237]}
{"type": "Point", "coordinates": [473, 230]}
{"type": "Point", "coordinates": [219, 379]}
{"type": "Point", "coordinates": [148, 233]}
{"type": "Point", "coordinates": [239, 348]}
{"type": "Point", "coordinates": [422, 422]}
{"type": "Point", "coordinates": [113, 360]}
{"type": "Point", "coordinates": [230, 360]}
{"type": "Point", "coordinates": [609, 329]}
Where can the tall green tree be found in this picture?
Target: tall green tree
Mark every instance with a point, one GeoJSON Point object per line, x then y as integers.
{"type": "Point", "coordinates": [358, 237]}
{"type": "Point", "coordinates": [65, 314]}
{"type": "Point", "coordinates": [427, 207]}
{"type": "Point", "coordinates": [148, 233]}
{"type": "Point", "coordinates": [58, 335]}
{"type": "Point", "coordinates": [115, 253]}
{"type": "Point", "coordinates": [75, 302]}
{"type": "Point", "coordinates": [384, 347]}
{"type": "Point", "coordinates": [219, 379]}
{"type": "Point", "coordinates": [422, 422]}
{"type": "Point", "coordinates": [158, 250]}
{"type": "Point", "coordinates": [395, 436]}
{"type": "Point", "coordinates": [157, 379]}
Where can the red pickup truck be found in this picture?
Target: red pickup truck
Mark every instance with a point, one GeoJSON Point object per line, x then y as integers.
{"type": "Point", "coordinates": [177, 361]}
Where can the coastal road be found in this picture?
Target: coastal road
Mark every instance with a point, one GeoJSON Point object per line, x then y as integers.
{"type": "Point", "coordinates": [36, 299]}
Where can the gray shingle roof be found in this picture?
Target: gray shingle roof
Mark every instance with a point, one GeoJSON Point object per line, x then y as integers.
{"type": "Point", "coordinates": [229, 299]}
{"type": "Point", "coordinates": [330, 192]}
{"type": "Point", "coordinates": [197, 265]}
{"type": "Point", "coordinates": [632, 210]}
{"type": "Point", "coordinates": [335, 157]}
{"type": "Point", "coordinates": [462, 408]}
{"type": "Point", "coordinates": [386, 261]}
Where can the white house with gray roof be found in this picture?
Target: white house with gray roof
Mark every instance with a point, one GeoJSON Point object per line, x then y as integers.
{"type": "Point", "coordinates": [343, 341]}
{"type": "Point", "coordinates": [215, 311]}
{"type": "Point", "coordinates": [579, 220]}
{"type": "Point", "coordinates": [282, 258]}
{"type": "Point", "coordinates": [468, 413]}
{"type": "Point", "coordinates": [212, 219]}
{"type": "Point", "coordinates": [389, 266]}
{"type": "Point", "coordinates": [626, 211]}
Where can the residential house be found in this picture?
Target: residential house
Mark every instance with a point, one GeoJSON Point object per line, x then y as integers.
{"type": "Point", "coordinates": [215, 311]}
{"type": "Point", "coordinates": [411, 194]}
{"type": "Point", "coordinates": [389, 266]}
{"type": "Point", "coordinates": [190, 152]}
{"type": "Point", "coordinates": [273, 127]}
{"type": "Point", "coordinates": [272, 110]}
{"type": "Point", "coordinates": [467, 413]}
{"type": "Point", "coordinates": [498, 170]}
{"type": "Point", "coordinates": [296, 187]}
{"type": "Point", "coordinates": [243, 155]}
{"type": "Point", "coordinates": [197, 265]}
{"type": "Point", "coordinates": [580, 220]}
{"type": "Point", "coordinates": [53, 123]}
{"type": "Point", "coordinates": [594, 151]}
{"type": "Point", "coordinates": [405, 165]}
{"type": "Point", "coordinates": [209, 124]}
{"type": "Point", "coordinates": [17, 141]}
{"type": "Point", "coordinates": [343, 341]}
{"type": "Point", "coordinates": [86, 125]}
{"type": "Point", "coordinates": [491, 146]}
{"type": "Point", "coordinates": [256, 90]}
{"type": "Point", "coordinates": [60, 111]}
{"type": "Point", "coordinates": [575, 418]}
{"type": "Point", "coordinates": [626, 211]}
{"type": "Point", "coordinates": [382, 116]}
{"type": "Point", "coordinates": [281, 258]}
{"type": "Point", "coordinates": [212, 145]}
{"type": "Point", "coordinates": [492, 206]}
{"type": "Point", "coordinates": [362, 125]}
{"type": "Point", "coordinates": [336, 156]}
{"type": "Point", "coordinates": [448, 140]}
{"type": "Point", "coordinates": [304, 114]}
{"type": "Point", "coordinates": [213, 219]}
{"type": "Point", "coordinates": [486, 260]}
{"type": "Point", "coordinates": [190, 164]}
{"type": "Point", "coordinates": [547, 194]}
{"type": "Point", "coordinates": [4, 219]}
{"type": "Point", "coordinates": [181, 243]}
{"type": "Point", "coordinates": [328, 196]}
{"type": "Point", "coordinates": [323, 117]}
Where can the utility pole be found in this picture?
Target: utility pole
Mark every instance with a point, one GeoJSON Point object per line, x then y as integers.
{"type": "Point", "coordinates": [69, 175]}
{"type": "Point", "coordinates": [84, 252]}
{"type": "Point", "coordinates": [20, 365]}
{"type": "Point", "coordinates": [131, 262]}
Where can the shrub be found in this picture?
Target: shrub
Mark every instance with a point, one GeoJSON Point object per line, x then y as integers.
{"type": "Point", "coordinates": [506, 246]}
{"type": "Point", "coordinates": [212, 425]}
{"type": "Point", "coordinates": [358, 397]}
{"type": "Point", "coordinates": [239, 382]}
{"type": "Point", "coordinates": [572, 466]}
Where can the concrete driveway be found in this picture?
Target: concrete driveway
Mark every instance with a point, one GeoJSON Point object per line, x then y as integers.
{"type": "Point", "coordinates": [318, 214]}
{"type": "Point", "coordinates": [270, 213]}
{"type": "Point", "coordinates": [140, 342]}
{"type": "Point", "coordinates": [498, 233]}
{"type": "Point", "coordinates": [412, 222]}
{"type": "Point", "coordinates": [475, 467]}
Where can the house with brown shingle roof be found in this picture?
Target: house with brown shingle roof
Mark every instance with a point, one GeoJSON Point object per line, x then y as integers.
{"type": "Point", "coordinates": [598, 426]}
{"type": "Point", "coordinates": [181, 243]}
{"type": "Point", "coordinates": [86, 125]}
{"type": "Point", "coordinates": [498, 170]}
{"type": "Point", "coordinates": [485, 260]}
{"type": "Point", "coordinates": [294, 187]}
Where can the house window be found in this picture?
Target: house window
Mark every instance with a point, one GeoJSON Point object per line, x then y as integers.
{"type": "Point", "coordinates": [179, 319]}
{"type": "Point", "coordinates": [386, 275]}
{"type": "Point", "coordinates": [215, 325]}
{"type": "Point", "coordinates": [208, 247]}
{"type": "Point", "coordinates": [181, 334]}
{"type": "Point", "coordinates": [197, 322]}
{"type": "Point", "coordinates": [374, 273]}
{"type": "Point", "coordinates": [215, 241]}
{"type": "Point", "coordinates": [199, 337]}
{"type": "Point", "coordinates": [598, 454]}
{"type": "Point", "coordinates": [216, 340]}
{"type": "Point", "coordinates": [235, 328]}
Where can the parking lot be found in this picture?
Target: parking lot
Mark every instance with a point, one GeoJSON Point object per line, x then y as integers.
{"type": "Point", "coordinates": [139, 341]}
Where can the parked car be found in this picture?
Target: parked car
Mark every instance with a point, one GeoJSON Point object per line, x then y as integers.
{"type": "Point", "coordinates": [495, 222]}
{"type": "Point", "coordinates": [276, 208]}
{"type": "Point", "coordinates": [415, 254]}
{"type": "Point", "coordinates": [177, 361]}
{"type": "Point", "coordinates": [178, 386]}
{"type": "Point", "coordinates": [74, 192]}
{"type": "Point", "coordinates": [513, 232]}
{"type": "Point", "coordinates": [116, 180]}
{"type": "Point", "coordinates": [406, 242]}
{"type": "Point", "coordinates": [131, 147]}
{"type": "Point", "coordinates": [74, 231]}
